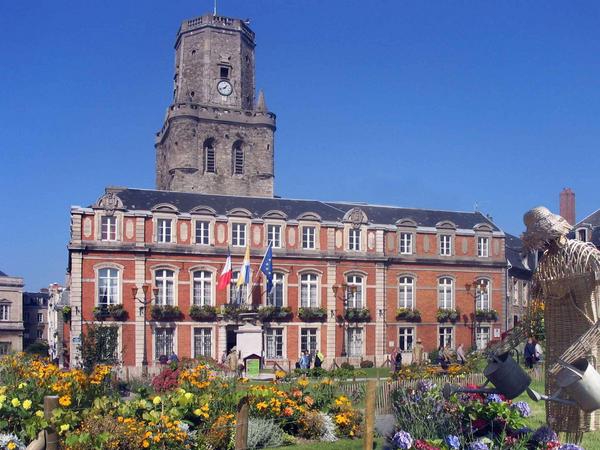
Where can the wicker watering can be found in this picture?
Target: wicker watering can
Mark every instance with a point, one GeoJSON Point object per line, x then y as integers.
{"type": "Point", "coordinates": [580, 381]}
{"type": "Point", "coordinates": [508, 378]}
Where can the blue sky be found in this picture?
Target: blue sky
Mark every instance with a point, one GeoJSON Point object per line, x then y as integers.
{"type": "Point", "coordinates": [432, 104]}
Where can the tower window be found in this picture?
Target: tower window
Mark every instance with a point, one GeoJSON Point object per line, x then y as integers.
{"type": "Point", "coordinates": [224, 72]}
{"type": "Point", "coordinates": [238, 159]}
{"type": "Point", "coordinates": [209, 156]}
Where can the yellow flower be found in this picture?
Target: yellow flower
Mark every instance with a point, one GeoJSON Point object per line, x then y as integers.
{"type": "Point", "coordinates": [22, 385]}
{"type": "Point", "coordinates": [145, 444]}
{"type": "Point", "coordinates": [39, 413]}
{"type": "Point", "coordinates": [260, 406]}
{"type": "Point", "coordinates": [2, 398]}
{"type": "Point", "coordinates": [157, 400]}
{"type": "Point", "coordinates": [26, 404]}
{"type": "Point", "coordinates": [11, 446]}
{"type": "Point", "coordinates": [15, 402]}
{"type": "Point", "coordinates": [65, 401]}
{"type": "Point", "coordinates": [64, 427]}
{"type": "Point", "coordinates": [188, 395]}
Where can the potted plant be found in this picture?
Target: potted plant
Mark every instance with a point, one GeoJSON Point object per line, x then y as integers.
{"type": "Point", "coordinates": [357, 315]}
{"type": "Point", "coordinates": [447, 315]}
{"type": "Point", "coordinates": [486, 315]}
{"type": "Point", "coordinates": [117, 312]}
{"type": "Point", "coordinates": [312, 314]}
{"type": "Point", "coordinates": [101, 312]}
{"type": "Point", "coordinates": [232, 312]}
{"type": "Point", "coordinates": [165, 312]}
{"type": "Point", "coordinates": [408, 314]}
{"type": "Point", "coordinates": [270, 313]}
{"type": "Point", "coordinates": [203, 313]}
{"type": "Point", "coordinates": [66, 313]}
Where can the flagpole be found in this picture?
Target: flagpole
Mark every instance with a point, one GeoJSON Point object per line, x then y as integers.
{"type": "Point", "coordinates": [258, 272]}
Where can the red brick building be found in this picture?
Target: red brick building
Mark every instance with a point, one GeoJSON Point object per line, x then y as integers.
{"type": "Point", "coordinates": [354, 265]}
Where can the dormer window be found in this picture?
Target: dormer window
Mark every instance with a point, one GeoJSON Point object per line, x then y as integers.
{"type": "Point", "coordinates": [108, 228]}
{"type": "Point", "coordinates": [164, 230]}
{"type": "Point", "coordinates": [582, 234]}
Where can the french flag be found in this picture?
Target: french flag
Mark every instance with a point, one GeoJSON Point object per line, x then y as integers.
{"type": "Point", "coordinates": [226, 273]}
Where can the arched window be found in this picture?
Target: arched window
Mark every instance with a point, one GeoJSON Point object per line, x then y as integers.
{"type": "Point", "coordinates": [202, 287]}
{"type": "Point", "coordinates": [209, 156]}
{"type": "Point", "coordinates": [164, 280]}
{"type": "Point", "coordinates": [275, 297]}
{"type": "Point", "coordinates": [354, 293]}
{"type": "Point", "coordinates": [108, 287]}
{"type": "Point", "coordinates": [309, 283]}
{"type": "Point", "coordinates": [238, 158]}
{"type": "Point", "coordinates": [406, 289]}
{"type": "Point", "coordinates": [482, 294]}
{"type": "Point", "coordinates": [445, 294]}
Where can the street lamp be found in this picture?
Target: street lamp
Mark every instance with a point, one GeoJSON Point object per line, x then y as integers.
{"type": "Point", "coordinates": [348, 290]}
{"type": "Point", "coordinates": [144, 301]}
{"type": "Point", "coordinates": [480, 289]}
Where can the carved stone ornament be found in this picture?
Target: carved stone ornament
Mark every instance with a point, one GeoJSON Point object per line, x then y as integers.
{"type": "Point", "coordinates": [110, 202]}
{"type": "Point", "coordinates": [356, 217]}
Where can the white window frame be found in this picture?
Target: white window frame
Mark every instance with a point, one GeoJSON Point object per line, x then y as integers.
{"type": "Point", "coordinates": [406, 243]}
{"type": "Point", "coordinates": [309, 281]}
{"type": "Point", "coordinates": [274, 233]}
{"type": "Point", "coordinates": [111, 299]}
{"type": "Point", "coordinates": [155, 342]}
{"type": "Point", "coordinates": [161, 281]}
{"type": "Point", "coordinates": [239, 234]}
{"type": "Point", "coordinates": [446, 332]}
{"type": "Point", "coordinates": [406, 338]}
{"type": "Point", "coordinates": [483, 335]}
{"type": "Point", "coordinates": [309, 340]}
{"type": "Point", "coordinates": [274, 339]}
{"type": "Point", "coordinates": [483, 298]}
{"type": "Point", "coordinates": [354, 238]}
{"type": "Point", "coordinates": [233, 290]}
{"type": "Point", "coordinates": [406, 292]}
{"type": "Point", "coordinates": [164, 230]}
{"type": "Point", "coordinates": [4, 312]}
{"type": "Point", "coordinates": [309, 237]}
{"type": "Point", "coordinates": [40, 317]}
{"type": "Point", "coordinates": [208, 352]}
{"type": "Point", "coordinates": [445, 292]}
{"type": "Point", "coordinates": [108, 230]}
{"type": "Point", "coordinates": [578, 234]}
{"type": "Point", "coordinates": [445, 244]}
{"type": "Point", "coordinates": [355, 299]}
{"type": "Point", "coordinates": [354, 347]}
{"type": "Point", "coordinates": [483, 246]}
{"type": "Point", "coordinates": [278, 281]}
{"type": "Point", "coordinates": [202, 238]}
{"type": "Point", "coordinates": [203, 277]}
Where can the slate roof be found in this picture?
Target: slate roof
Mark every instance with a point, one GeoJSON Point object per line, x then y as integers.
{"type": "Point", "coordinates": [592, 220]}
{"type": "Point", "coordinates": [514, 255]}
{"type": "Point", "coordinates": [2, 274]}
{"type": "Point", "coordinates": [142, 199]}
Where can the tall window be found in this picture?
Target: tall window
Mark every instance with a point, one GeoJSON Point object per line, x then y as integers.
{"type": "Point", "coordinates": [274, 235]}
{"type": "Point", "coordinates": [238, 234]}
{"type": "Point", "coordinates": [274, 343]}
{"type": "Point", "coordinates": [237, 295]}
{"type": "Point", "coordinates": [40, 334]}
{"type": "Point", "coordinates": [163, 342]}
{"type": "Point", "coordinates": [354, 240]}
{"type": "Point", "coordinates": [164, 280]}
{"type": "Point", "coordinates": [309, 290]}
{"type": "Point", "coordinates": [209, 156]}
{"type": "Point", "coordinates": [406, 289]}
{"type": "Point", "coordinates": [40, 317]}
{"type": "Point", "coordinates": [4, 312]}
{"type": "Point", "coordinates": [238, 159]}
{"type": "Point", "coordinates": [164, 230]}
{"type": "Point", "coordinates": [108, 287]}
{"type": "Point", "coordinates": [483, 247]}
{"type": "Point", "coordinates": [308, 237]}
{"type": "Point", "coordinates": [446, 336]}
{"type": "Point", "coordinates": [354, 293]}
{"type": "Point", "coordinates": [445, 293]}
{"type": "Point", "coordinates": [406, 243]}
{"type": "Point", "coordinates": [202, 232]}
{"type": "Point", "coordinates": [275, 297]}
{"type": "Point", "coordinates": [355, 342]}
{"type": "Point", "coordinates": [482, 337]}
{"type": "Point", "coordinates": [108, 227]}
{"type": "Point", "coordinates": [202, 280]}
{"type": "Point", "coordinates": [308, 340]}
{"type": "Point", "coordinates": [445, 244]}
{"type": "Point", "coordinates": [5, 348]}
{"type": "Point", "coordinates": [482, 294]}
{"type": "Point", "coordinates": [202, 342]}
{"type": "Point", "coordinates": [406, 336]}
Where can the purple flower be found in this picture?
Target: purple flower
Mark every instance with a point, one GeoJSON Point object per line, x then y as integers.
{"type": "Point", "coordinates": [403, 440]}
{"type": "Point", "coordinates": [478, 445]}
{"type": "Point", "coordinates": [425, 385]}
{"type": "Point", "coordinates": [523, 408]}
{"type": "Point", "coordinates": [543, 435]}
{"type": "Point", "coordinates": [452, 441]}
{"type": "Point", "coordinates": [493, 398]}
{"type": "Point", "coordinates": [570, 447]}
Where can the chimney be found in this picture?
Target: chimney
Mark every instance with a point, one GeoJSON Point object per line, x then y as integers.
{"type": "Point", "coordinates": [567, 205]}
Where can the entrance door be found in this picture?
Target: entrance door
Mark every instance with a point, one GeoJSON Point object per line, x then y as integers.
{"type": "Point", "coordinates": [231, 337]}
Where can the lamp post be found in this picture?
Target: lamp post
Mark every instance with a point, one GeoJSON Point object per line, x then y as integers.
{"type": "Point", "coordinates": [480, 289]}
{"type": "Point", "coordinates": [144, 301]}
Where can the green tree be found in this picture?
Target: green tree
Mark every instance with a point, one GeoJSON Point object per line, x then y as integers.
{"type": "Point", "coordinates": [99, 346]}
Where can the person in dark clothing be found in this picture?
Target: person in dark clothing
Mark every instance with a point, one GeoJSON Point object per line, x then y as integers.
{"type": "Point", "coordinates": [529, 353]}
{"type": "Point", "coordinates": [398, 361]}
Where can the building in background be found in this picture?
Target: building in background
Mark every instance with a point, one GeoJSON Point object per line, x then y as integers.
{"type": "Point", "coordinates": [521, 265]}
{"type": "Point", "coordinates": [35, 317]}
{"type": "Point", "coordinates": [588, 229]}
{"type": "Point", "coordinates": [11, 314]}
{"type": "Point", "coordinates": [58, 311]}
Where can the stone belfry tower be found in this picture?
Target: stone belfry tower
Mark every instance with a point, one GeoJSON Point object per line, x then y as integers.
{"type": "Point", "coordinates": [216, 139]}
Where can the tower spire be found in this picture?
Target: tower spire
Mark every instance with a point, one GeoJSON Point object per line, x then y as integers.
{"type": "Point", "coordinates": [260, 104]}
{"type": "Point", "coordinates": [214, 7]}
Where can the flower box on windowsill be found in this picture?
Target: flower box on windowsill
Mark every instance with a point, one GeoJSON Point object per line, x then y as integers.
{"type": "Point", "coordinates": [204, 313]}
{"type": "Point", "coordinates": [116, 312]}
{"type": "Point", "coordinates": [486, 315]}
{"type": "Point", "coordinates": [448, 315]}
{"type": "Point", "coordinates": [232, 312]}
{"type": "Point", "coordinates": [408, 314]}
{"type": "Point", "coordinates": [357, 315]}
{"type": "Point", "coordinates": [165, 312]}
{"type": "Point", "coordinates": [312, 314]}
{"type": "Point", "coordinates": [274, 313]}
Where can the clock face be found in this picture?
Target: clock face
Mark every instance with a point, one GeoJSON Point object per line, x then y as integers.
{"type": "Point", "coordinates": [224, 88]}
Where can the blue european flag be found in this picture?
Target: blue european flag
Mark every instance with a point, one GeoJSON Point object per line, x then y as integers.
{"type": "Point", "coordinates": [266, 267]}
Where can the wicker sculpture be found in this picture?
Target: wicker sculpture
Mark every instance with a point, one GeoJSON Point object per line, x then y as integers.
{"type": "Point", "coordinates": [567, 280]}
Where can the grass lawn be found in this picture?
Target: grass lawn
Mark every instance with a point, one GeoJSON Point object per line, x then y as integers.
{"type": "Point", "coordinates": [345, 444]}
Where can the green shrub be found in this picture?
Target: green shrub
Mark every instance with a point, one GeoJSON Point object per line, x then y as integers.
{"type": "Point", "coordinates": [346, 366]}
{"type": "Point", "coordinates": [366, 364]}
